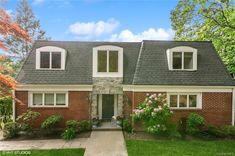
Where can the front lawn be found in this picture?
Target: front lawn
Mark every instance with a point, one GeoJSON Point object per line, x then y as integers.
{"type": "Point", "coordinates": [181, 148]}
{"type": "Point", "coordinates": [51, 152]}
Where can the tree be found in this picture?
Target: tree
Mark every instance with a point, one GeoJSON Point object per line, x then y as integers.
{"type": "Point", "coordinates": [25, 17]}
{"type": "Point", "coordinates": [8, 28]}
{"type": "Point", "coordinates": [205, 20]}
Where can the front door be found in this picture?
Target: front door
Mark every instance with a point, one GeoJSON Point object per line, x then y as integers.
{"type": "Point", "coordinates": [107, 106]}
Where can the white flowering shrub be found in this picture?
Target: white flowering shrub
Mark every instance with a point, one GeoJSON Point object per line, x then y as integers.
{"type": "Point", "coordinates": [154, 113]}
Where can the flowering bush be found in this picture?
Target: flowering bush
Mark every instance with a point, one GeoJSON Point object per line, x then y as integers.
{"type": "Point", "coordinates": [154, 113]}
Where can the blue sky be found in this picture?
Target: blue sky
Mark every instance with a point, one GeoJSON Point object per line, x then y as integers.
{"type": "Point", "coordinates": [112, 20]}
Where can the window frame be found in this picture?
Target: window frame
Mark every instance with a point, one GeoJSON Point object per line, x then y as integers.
{"type": "Point", "coordinates": [198, 104]}
{"type": "Point", "coordinates": [107, 48]}
{"type": "Point", "coordinates": [50, 49]}
{"type": "Point", "coordinates": [30, 100]}
{"type": "Point", "coordinates": [181, 49]}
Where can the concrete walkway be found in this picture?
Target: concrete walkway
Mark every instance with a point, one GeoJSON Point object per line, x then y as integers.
{"type": "Point", "coordinates": [106, 143]}
{"type": "Point", "coordinates": [101, 143]}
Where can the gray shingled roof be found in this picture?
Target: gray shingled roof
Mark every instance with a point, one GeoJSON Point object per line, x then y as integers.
{"type": "Point", "coordinates": [78, 69]}
{"type": "Point", "coordinates": [148, 67]}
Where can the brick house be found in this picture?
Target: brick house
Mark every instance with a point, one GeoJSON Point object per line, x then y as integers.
{"type": "Point", "coordinates": [82, 80]}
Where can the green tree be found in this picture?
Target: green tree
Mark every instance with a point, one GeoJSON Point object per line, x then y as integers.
{"type": "Point", "coordinates": [26, 19]}
{"type": "Point", "coordinates": [205, 20]}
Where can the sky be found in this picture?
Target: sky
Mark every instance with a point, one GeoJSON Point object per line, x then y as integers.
{"type": "Point", "coordinates": [103, 20]}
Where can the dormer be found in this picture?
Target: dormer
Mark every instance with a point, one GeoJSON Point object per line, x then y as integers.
{"type": "Point", "coordinates": [107, 61]}
{"type": "Point", "coordinates": [182, 58]}
{"type": "Point", "coordinates": [50, 58]}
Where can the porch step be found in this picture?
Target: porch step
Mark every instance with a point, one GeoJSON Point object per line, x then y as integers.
{"type": "Point", "coordinates": [107, 126]}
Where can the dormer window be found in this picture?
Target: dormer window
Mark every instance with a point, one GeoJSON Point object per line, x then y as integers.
{"type": "Point", "coordinates": [50, 58]}
{"type": "Point", "coordinates": [107, 61]}
{"type": "Point", "coordinates": [182, 58]}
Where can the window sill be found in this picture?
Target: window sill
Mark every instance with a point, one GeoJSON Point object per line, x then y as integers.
{"type": "Point", "coordinates": [171, 108]}
{"type": "Point", "coordinates": [48, 107]}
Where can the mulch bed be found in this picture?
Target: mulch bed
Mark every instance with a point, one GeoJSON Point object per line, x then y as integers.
{"type": "Point", "coordinates": [42, 135]}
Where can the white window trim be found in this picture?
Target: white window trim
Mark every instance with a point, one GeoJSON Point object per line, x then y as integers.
{"type": "Point", "coordinates": [182, 49]}
{"type": "Point", "coordinates": [50, 49]}
{"type": "Point", "coordinates": [120, 61]}
{"type": "Point", "coordinates": [199, 100]}
{"type": "Point", "coordinates": [30, 99]}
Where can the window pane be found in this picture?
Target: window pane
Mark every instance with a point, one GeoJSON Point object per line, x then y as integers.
{"type": "Point", "coordinates": [37, 99]}
{"type": "Point", "coordinates": [188, 60]}
{"type": "Point", "coordinates": [113, 61]}
{"type": "Point", "coordinates": [60, 99]}
{"type": "Point", "coordinates": [183, 100]}
{"type": "Point", "coordinates": [177, 60]}
{"type": "Point", "coordinates": [102, 61]}
{"type": "Point", "coordinates": [173, 100]}
{"type": "Point", "coordinates": [192, 100]}
{"type": "Point", "coordinates": [49, 99]}
{"type": "Point", "coordinates": [56, 59]}
{"type": "Point", "coordinates": [44, 59]}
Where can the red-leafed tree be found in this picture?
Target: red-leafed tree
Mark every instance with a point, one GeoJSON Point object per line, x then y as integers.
{"type": "Point", "coordinates": [7, 28]}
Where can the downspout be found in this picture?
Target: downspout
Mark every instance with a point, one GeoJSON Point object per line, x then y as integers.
{"type": "Point", "coordinates": [233, 106]}
{"type": "Point", "coordinates": [13, 105]}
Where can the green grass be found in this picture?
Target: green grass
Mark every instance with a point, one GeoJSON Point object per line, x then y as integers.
{"type": "Point", "coordinates": [179, 148]}
{"type": "Point", "coordinates": [52, 152]}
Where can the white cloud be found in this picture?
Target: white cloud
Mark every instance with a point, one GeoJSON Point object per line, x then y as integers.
{"type": "Point", "coordinates": [150, 34]}
{"type": "Point", "coordinates": [93, 29]}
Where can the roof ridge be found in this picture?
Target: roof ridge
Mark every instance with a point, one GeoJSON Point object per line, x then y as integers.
{"type": "Point", "coordinates": [138, 61]}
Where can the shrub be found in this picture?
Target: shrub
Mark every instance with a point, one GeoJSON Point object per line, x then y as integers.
{"type": "Point", "coordinates": [27, 119]}
{"type": "Point", "coordinates": [71, 129]}
{"type": "Point", "coordinates": [182, 126]}
{"type": "Point", "coordinates": [10, 130]}
{"type": "Point", "coordinates": [222, 132]}
{"type": "Point", "coordinates": [73, 124]}
{"type": "Point", "coordinates": [84, 126]}
{"type": "Point", "coordinates": [51, 121]}
{"type": "Point", "coordinates": [154, 113]}
{"type": "Point", "coordinates": [68, 134]}
{"type": "Point", "coordinates": [194, 121]}
{"type": "Point", "coordinates": [5, 110]}
{"type": "Point", "coordinates": [126, 126]}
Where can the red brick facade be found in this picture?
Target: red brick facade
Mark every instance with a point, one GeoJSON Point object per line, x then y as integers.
{"type": "Point", "coordinates": [78, 107]}
{"type": "Point", "coordinates": [216, 107]}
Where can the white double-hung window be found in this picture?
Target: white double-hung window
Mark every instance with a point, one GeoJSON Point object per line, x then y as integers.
{"type": "Point", "coordinates": [107, 61]}
{"type": "Point", "coordinates": [184, 100]}
{"type": "Point", "coordinates": [48, 99]}
{"type": "Point", "coordinates": [182, 58]}
{"type": "Point", "coordinates": [50, 57]}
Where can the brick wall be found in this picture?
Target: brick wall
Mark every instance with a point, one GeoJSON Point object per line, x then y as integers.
{"type": "Point", "coordinates": [78, 108]}
{"type": "Point", "coordinates": [216, 107]}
